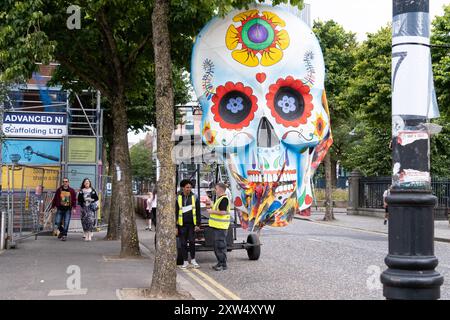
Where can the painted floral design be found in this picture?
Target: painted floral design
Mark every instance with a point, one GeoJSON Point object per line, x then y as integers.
{"type": "Point", "coordinates": [235, 105]}
{"type": "Point", "coordinates": [296, 87]}
{"type": "Point", "coordinates": [234, 96]}
{"type": "Point", "coordinates": [258, 39]}
{"type": "Point", "coordinates": [210, 135]}
{"type": "Point", "coordinates": [287, 104]}
{"type": "Point", "coordinates": [319, 126]}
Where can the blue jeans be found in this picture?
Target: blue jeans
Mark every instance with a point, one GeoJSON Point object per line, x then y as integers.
{"type": "Point", "coordinates": [60, 215]}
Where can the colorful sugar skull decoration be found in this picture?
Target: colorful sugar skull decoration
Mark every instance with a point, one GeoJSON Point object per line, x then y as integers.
{"type": "Point", "coordinates": [259, 76]}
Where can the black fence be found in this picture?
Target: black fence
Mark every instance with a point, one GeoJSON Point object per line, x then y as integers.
{"type": "Point", "coordinates": [371, 191]}
{"type": "Point", "coordinates": [341, 183]}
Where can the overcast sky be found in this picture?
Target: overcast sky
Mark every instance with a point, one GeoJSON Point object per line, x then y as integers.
{"type": "Point", "coordinates": [362, 16]}
{"type": "Point", "coordinates": [358, 16]}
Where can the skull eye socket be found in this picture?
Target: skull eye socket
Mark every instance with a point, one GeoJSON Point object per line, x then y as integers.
{"type": "Point", "coordinates": [234, 105]}
{"type": "Point", "coordinates": [290, 102]}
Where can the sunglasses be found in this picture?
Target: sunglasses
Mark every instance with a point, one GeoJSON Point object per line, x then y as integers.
{"type": "Point", "coordinates": [65, 181]}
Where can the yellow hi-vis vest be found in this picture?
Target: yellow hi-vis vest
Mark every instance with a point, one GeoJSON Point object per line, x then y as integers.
{"type": "Point", "coordinates": [180, 210]}
{"type": "Point", "coordinates": [220, 221]}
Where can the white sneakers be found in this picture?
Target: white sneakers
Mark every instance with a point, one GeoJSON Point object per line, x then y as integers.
{"type": "Point", "coordinates": [88, 236]}
{"type": "Point", "coordinates": [193, 264]}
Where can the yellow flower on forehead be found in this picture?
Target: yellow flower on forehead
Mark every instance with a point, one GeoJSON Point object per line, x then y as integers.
{"type": "Point", "coordinates": [258, 39]}
{"type": "Point", "coordinates": [245, 15]}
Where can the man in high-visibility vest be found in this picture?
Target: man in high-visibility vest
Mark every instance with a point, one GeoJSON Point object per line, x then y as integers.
{"type": "Point", "coordinates": [188, 217]}
{"type": "Point", "coordinates": [219, 221]}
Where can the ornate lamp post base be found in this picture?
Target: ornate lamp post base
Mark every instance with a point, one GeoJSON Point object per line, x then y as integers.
{"type": "Point", "coordinates": [411, 260]}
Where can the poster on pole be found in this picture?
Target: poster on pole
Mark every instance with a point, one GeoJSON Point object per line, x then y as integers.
{"type": "Point", "coordinates": [82, 150]}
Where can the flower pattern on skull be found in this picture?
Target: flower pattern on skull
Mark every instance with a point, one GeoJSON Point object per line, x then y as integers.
{"type": "Point", "coordinates": [258, 37]}
{"type": "Point", "coordinates": [235, 105]}
{"type": "Point", "coordinates": [287, 104]}
{"type": "Point", "coordinates": [264, 115]}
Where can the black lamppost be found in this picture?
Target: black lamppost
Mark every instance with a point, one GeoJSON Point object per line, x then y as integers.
{"type": "Point", "coordinates": [411, 261]}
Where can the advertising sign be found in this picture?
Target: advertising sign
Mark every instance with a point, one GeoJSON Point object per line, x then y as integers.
{"type": "Point", "coordinates": [35, 124]}
{"type": "Point", "coordinates": [76, 175]}
{"type": "Point", "coordinates": [30, 178]}
{"type": "Point", "coordinates": [82, 150]}
{"type": "Point", "coordinates": [31, 152]}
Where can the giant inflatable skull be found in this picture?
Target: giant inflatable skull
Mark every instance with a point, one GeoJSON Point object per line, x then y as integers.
{"type": "Point", "coordinates": [259, 77]}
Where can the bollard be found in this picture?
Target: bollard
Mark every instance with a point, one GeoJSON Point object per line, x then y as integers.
{"type": "Point", "coordinates": [2, 230]}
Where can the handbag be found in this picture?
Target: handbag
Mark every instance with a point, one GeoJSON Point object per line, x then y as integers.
{"type": "Point", "coordinates": [93, 206]}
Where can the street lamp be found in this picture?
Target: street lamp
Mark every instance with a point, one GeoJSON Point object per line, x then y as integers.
{"type": "Point", "coordinates": [411, 261]}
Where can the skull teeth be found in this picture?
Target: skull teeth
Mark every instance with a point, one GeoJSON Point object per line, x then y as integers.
{"type": "Point", "coordinates": [285, 189]}
{"type": "Point", "coordinates": [272, 176]}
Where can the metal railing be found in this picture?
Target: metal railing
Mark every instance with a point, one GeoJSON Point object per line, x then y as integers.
{"type": "Point", "coordinates": [371, 191]}
{"type": "Point", "coordinates": [26, 200]}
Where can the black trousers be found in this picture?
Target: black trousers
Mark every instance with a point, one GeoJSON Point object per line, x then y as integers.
{"type": "Point", "coordinates": [187, 235]}
{"type": "Point", "coordinates": [220, 245]}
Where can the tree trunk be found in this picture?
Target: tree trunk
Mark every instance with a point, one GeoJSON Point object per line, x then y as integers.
{"type": "Point", "coordinates": [333, 173]}
{"type": "Point", "coordinates": [328, 190]}
{"type": "Point", "coordinates": [114, 217]}
{"type": "Point", "coordinates": [113, 214]}
{"type": "Point", "coordinates": [123, 190]}
{"type": "Point", "coordinates": [164, 272]}
{"type": "Point", "coordinates": [106, 160]}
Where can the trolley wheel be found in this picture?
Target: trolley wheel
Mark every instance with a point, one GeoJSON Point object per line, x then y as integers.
{"type": "Point", "coordinates": [254, 251]}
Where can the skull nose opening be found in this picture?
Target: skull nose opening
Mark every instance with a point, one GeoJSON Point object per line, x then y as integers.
{"type": "Point", "coordinates": [266, 134]}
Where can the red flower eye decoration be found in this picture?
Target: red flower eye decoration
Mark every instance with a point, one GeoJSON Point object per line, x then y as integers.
{"type": "Point", "coordinates": [234, 105]}
{"type": "Point", "coordinates": [290, 102]}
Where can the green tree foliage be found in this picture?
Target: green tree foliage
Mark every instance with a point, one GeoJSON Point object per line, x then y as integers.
{"type": "Point", "coordinates": [339, 49]}
{"type": "Point", "coordinates": [368, 98]}
{"type": "Point", "coordinates": [142, 164]}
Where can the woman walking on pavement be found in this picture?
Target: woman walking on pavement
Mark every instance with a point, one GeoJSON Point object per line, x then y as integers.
{"type": "Point", "coordinates": [87, 199]}
{"type": "Point", "coordinates": [153, 207]}
{"type": "Point", "coordinates": [150, 210]}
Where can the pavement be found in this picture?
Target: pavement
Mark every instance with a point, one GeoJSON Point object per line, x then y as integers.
{"type": "Point", "coordinates": [49, 269]}
{"type": "Point", "coordinates": [373, 224]}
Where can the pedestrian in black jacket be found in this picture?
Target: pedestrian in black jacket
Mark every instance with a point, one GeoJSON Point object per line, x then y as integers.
{"type": "Point", "coordinates": [188, 217]}
{"type": "Point", "coordinates": [88, 200]}
{"type": "Point", "coordinates": [65, 201]}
